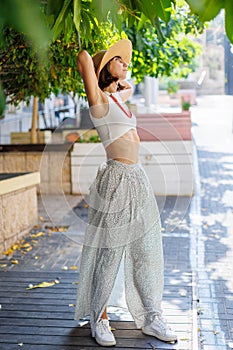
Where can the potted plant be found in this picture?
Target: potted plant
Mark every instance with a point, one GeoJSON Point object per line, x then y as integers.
{"type": "Point", "coordinates": [185, 104]}
{"type": "Point", "coordinates": [172, 87]}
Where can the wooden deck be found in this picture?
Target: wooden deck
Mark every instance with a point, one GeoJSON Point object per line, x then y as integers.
{"type": "Point", "coordinates": [42, 318]}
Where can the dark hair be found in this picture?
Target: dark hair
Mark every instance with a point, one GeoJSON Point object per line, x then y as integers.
{"type": "Point", "coordinates": [106, 78]}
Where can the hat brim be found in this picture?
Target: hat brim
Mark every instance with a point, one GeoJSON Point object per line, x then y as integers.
{"type": "Point", "coordinates": [122, 48]}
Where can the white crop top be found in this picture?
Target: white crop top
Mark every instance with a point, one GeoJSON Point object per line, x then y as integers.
{"type": "Point", "coordinates": [115, 123]}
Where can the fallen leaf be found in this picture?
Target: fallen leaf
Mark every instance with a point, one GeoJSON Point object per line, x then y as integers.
{"type": "Point", "coordinates": [28, 249]}
{"type": "Point", "coordinates": [8, 252]}
{"type": "Point", "coordinates": [41, 218]}
{"type": "Point", "coordinates": [74, 282]}
{"type": "Point", "coordinates": [57, 228]}
{"type": "Point", "coordinates": [184, 339]}
{"type": "Point", "coordinates": [42, 285]}
{"type": "Point", "coordinates": [21, 246]}
{"type": "Point", "coordinates": [73, 267]}
{"type": "Point", "coordinates": [25, 245]}
{"type": "Point", "coordinates": [20, 344]}
{"type": "Point", "coordinates": [216, 332]}
{"type": "Point", "coordinates": [63, 229]}
{"type": "Point", "coordinates": [14, 261]}
{"type": "Point", "coordinates": [37, 257]}
{"type": "Point", "coordinates": [39, 234]}
{"type": "Point", "coordinates": [65, 268]}
{"type": "Point", "coordinates": [86, 205]}
{"type": "Point", "coordinates": [3, 265]}
{"type": "Point", "coordinates": [71, 305]}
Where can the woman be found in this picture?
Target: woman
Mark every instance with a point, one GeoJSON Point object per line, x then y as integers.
{"type": "Point", "coordinates": [123, 219]}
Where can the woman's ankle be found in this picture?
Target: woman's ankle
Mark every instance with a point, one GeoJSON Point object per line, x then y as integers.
{"type": "Point", "coordinates": [104, 315]}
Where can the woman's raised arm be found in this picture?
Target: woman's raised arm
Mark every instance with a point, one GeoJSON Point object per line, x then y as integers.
{"type": "Point", "coordinates": [87, 71]}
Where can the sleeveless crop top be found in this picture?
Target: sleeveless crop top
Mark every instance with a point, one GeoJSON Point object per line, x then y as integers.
{"type": "Point", "coordinates": [115, 123]}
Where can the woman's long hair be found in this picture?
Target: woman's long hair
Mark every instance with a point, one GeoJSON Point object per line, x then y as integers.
{"type": "Point", "coordinates": [105, 77]}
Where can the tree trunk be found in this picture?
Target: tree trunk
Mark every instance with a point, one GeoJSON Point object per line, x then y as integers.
{"type": "Point", "coordinates": [34, 120]}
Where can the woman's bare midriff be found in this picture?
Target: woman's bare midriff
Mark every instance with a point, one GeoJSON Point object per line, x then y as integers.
{"type": "Point", "coordinates": [125, 149]}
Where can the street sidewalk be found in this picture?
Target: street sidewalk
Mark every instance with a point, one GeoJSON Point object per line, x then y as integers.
{"type": "Point", "coordinates": [212, 219]}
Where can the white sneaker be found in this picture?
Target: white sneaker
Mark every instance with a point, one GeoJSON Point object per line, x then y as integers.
{"type": "Point", "coordinates": [159, 329]}
{"type": "Point", "coordinates": [103, 334]}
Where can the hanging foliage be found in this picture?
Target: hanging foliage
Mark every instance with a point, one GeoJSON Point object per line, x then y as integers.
{"type": "Point", "coordinates": [155, 28]}
{"type": "Point", "coordinates": [175, 56]}
{"type": "Point", "coordinates": [24, 75]}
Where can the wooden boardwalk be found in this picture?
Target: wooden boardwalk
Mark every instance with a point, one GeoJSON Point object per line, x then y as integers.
{"type": "Point", "coordinates": [42, 318]}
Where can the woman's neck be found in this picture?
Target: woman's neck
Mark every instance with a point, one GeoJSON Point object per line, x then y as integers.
{"type": "Point", "coordinates": [112, 87]}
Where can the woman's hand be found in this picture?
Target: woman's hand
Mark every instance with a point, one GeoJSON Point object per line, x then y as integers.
{"type": "Point", "coordinates": [125, 84]}
{"type": "Point", "coordinates": [126, 89]}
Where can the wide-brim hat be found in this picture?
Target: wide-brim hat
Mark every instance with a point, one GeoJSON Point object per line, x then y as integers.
{"type": "Point", "coordinates": [122, 48]}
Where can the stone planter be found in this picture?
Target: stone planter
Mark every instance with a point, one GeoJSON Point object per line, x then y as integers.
{"type": "Point", "coordinates": [25, 137]}
{"type": "Point", "coordinates": [18, 206]}
{"type": "Point", "coordinates": [52, 161]}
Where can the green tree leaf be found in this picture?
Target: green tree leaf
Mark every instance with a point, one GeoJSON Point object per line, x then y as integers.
{"type": "Point", "coordinates": [2, 101]}
{"type": "Point", "coordinates": [156, 8]}
{"type": "Point", "coordinates": [229, 19]}
{"type": "Point", "coordinates": [163, 9]}
{"type": "Point", "coordinates": [206, 9]}
{"type": "Point", "coordinates": [60, 19]}
{"type": "Point", "coordinates": [77, 14]}
{"type": "Point", "coordinates": [54, 7]}
{"type": "Point", "coordinates": [102, 8]}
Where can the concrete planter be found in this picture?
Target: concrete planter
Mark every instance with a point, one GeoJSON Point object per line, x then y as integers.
{"type": "Point", "coordinates": [168, 165]}
{"type": "Point", "coordinates": [165, 153]}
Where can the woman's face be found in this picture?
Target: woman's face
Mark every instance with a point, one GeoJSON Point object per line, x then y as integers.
{"type": "Point", "coordinates": [118, 68]}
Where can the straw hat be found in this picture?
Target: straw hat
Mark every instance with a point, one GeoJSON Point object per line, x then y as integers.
{"type": "Point", "coordinates": [122, 48]}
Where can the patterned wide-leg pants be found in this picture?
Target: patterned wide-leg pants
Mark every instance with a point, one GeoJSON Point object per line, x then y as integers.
{"type": "Point", "coordinates": [123, 222]}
